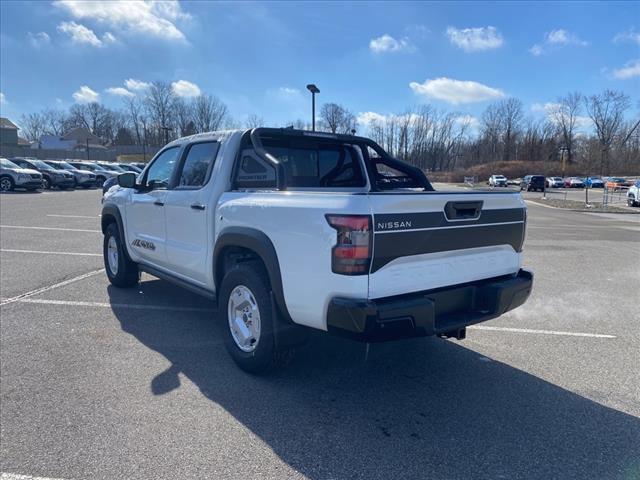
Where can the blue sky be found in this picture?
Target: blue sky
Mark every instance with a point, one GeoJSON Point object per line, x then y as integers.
{"type": "Point", "coordinates": [380, 58]}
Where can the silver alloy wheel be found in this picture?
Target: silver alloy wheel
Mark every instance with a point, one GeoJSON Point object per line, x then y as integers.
{"type": "Point", "coordinates": [46, 183]}
{"type": "Point", "coordinates": [112, 255]}
{"type": "Point", "coordinates": [244, 318]}
{"type": "Point", "coordinates": [5, 184]}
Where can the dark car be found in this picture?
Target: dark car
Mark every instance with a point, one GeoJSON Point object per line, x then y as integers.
{"type": "Point", "coordinates": [532, 183]}
{"type": "Point", "coordinates": [83, 178]}
{"type": "Point", "coordinates": [51, 177]}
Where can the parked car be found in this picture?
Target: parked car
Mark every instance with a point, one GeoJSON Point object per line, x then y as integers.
{"type": "Point", "coordinates": [514, 182]}
{"type": "Point", "coordinates": [633, 195]}
{"type": "Point", "coordinates": [13, 176]}
{"type": "Point", "coordinates": [51, 177]}
{"type": "Point", "coordinates": [573, 182]}
{"type": "Point", "coordinates": [594, 182]}
{"type": "Point", "coordinates": [130, 168]}
{"type": "Point", "coordinates": [108, 183]}
{"type": "Point", "coordinates": [532, 183]}
{"type": "Point", "coordinates": [617, 183]}
{"type": "Point", "coordinates": [497, 181]}
{"type": "Point", "coordinates": [235, 222]}
{"type": "Point", "coordinates": [83, 178]}
{"type": "Point", "coordinates": [555, 182]}
{"type": "Point", "coordinates": [100, 172]}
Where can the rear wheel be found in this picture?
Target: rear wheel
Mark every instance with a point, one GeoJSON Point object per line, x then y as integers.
{"type": "Point", "coordinates": [121, 271]}
{"type": "Point", "coordinates": [247, 314]}
{"type": "Point", "coordinates": [6, 184]}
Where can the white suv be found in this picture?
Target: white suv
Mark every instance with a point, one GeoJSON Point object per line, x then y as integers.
{"type": "Point", "coordinates": [12, 176]}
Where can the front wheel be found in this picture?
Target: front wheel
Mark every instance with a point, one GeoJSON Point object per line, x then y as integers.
{"type": "Point", "coordinates": [46, 183]}
{"type": "Point", "coordinates": [121, 271]}
{"type": "Point", "coordinates": [100, 182]}
{"type": "Point", "coordinates": [247, 314]}
{"type": "Point", "coordinates": [6, 184]}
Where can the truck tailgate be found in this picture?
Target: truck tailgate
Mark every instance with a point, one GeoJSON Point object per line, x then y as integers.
{"type": "Point", "coordinates": [428, 240]}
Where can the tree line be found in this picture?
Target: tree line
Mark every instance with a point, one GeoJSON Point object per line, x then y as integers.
{"type": "Point", "coordinates": [596, 131]}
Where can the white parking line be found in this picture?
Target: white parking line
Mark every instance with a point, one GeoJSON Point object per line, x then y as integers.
{"type": "Point", "coordinates": [51, 228]}
{"type": "Point", "coordinates": [541, 332]}
{"type": "Point", "coordinates": [50, 287]}
{"type": "Point", "coordinates": [15, 476]}
{"type": "Point", "coordinates": [9, 250]}
{"type": "Point", "coordinates": [74, 216]}
{"type": "Point", "coordinates": [133, 306]}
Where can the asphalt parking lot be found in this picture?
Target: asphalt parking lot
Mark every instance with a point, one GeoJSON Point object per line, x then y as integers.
{"type": "Point", "coordinates": [97, 382]}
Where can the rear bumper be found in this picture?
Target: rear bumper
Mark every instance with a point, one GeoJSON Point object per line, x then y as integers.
{"type": "Point", "coordinates": [445, 312]}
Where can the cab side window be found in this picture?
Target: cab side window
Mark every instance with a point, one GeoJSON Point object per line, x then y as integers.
{"type": "Point", "coordinates": [160, 171]}
{"type": "Point", "coordinates": [197, 164]}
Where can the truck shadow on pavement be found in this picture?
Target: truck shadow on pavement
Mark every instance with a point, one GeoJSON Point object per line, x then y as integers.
{"type": "Point", "coordinates": [423, 408]}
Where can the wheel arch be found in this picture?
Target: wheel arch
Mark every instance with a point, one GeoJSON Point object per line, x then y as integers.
{"type": "Point", "coordinates": [111, 214]}
{"type": "Point", "coordinates": [239, 239]}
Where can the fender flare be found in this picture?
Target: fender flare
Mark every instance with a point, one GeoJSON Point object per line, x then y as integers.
{"type": "Point", "coordinates": [259, 242]}
{"type": "Point", "coordinates": [109, 212]}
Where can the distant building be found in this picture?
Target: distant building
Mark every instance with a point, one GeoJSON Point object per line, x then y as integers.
{"type": "Point", "coordinates": [76, 139]}
{"type": "Point", "coordinates": [8, 132]}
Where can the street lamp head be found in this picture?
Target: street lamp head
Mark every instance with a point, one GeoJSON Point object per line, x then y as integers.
{"type": "Point", "coordinates": [312, 88]}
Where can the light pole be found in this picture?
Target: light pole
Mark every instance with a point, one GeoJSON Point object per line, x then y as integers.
{"type": "Point", "coordinates": [313, 89]}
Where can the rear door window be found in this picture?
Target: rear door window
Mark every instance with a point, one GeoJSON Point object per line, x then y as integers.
{"type": "Point", "coordinates": [197, 164]}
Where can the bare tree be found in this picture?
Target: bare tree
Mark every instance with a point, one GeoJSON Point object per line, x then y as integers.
{"type": "Point", "coordinates": [337, 119]}
{"type": "Point", "coordinates": [135, 113]}
{"type": "Point", "coordinates": [33, 126]}
{"type": "Point", "coordinates": [254, 121]}
{"type": "Point", "coordinates": [210, 113]}
{"type": "Point", "coordinates": [511, 120]}
{"type": "Point", "coordinates": [607, 110]}
{"type": "Point", "coordinates": [55, 121]}
{"type": "Point", "coordinates": [159, 103]}
{"type": "Point", "coordinates": [183, 111]}
{"type": "Point", "coordinates": [565, 115]}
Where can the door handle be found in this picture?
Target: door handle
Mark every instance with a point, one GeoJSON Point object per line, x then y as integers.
{"type": "Point", "coordinates": [197, 206]}
{"type": "Point", "coordinates": [159, 203]}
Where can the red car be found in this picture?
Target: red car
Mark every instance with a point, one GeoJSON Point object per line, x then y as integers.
{"type": "Point", "coordinates": [573, 182]}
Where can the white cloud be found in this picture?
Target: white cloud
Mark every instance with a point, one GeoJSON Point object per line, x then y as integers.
{"type": "Point", "coordinates": [39, 39]}
{"type": "Point", "coordinates": [562, 37]}
{"type": "Point", "coordinates": [184, 88]}
{"type": "Point", "coordinates": [628, 36]}
{"type": "Point", "coordinates": [3, 99]}
{"type": "Point", "coordinates": [108, 38]}
{"type": "Point", "coordinates": [367, 118]}
{"type": "Point", "coordinates": [120, 92]}
{"type": "Point", "coordinates": [628, 70]}
{"type": "Point", "coordinates": [556, 39]}
{"type": "Point", "coordinates": [80, 34]}
{"type": "Point", "coordinates": [133, 84]}
{"type": "Point", "coordinates": [288, 92]}
{"type": "Point", "coordinates": [86, 95]}
{"type": "Point", "coordinates": [145, 17]}
{"type": "Point", "coordinates": [475, 39]}
{"type": "Point", "coordinates": [469, 120]}
{"type": "Point", "coordinates": [386, 43]}
{"type": "Point", "coordinates": [536, 50]}
{"type": "Point", "coordinates": [456, 91]}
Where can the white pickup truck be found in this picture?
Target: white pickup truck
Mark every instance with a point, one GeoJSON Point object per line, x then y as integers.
{"type": "Point", "coordinates": [287, 229]}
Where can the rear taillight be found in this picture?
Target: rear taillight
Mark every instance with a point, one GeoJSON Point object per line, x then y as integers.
{"type": "Point", "coordinates": [352, 252]}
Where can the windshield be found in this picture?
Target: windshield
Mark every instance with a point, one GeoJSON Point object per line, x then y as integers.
{"type": "Point", "coordinates": [500, 177]}
{"type": "Point", "coordinates": [4, 163]}
{"type": "Point", "coordinates": [66, 166]}
{"type": "Point", "coordinates": [112, 167]}
{"type": "Point", "coordinates": [41, 164]}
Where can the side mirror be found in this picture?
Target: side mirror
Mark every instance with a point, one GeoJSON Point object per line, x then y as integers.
{"type": "Point", "coordinates": [127, 180]}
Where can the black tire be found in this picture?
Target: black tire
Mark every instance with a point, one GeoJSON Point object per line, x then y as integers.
{"type": "Point", "coordinates": [264, 357]}
{"type": "Point", "coordinates": [127, 274]}
{"type": "Point", "coordinates": [100, 181]}
{"type": "Point", "coordinates": [6, 184]}
{"type": "Point", "coordinates": [46, 183]}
